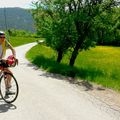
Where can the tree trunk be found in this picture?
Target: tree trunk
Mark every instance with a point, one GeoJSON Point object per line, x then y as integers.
{"type": "Point", "coordinates": [75, 53]}
{"type": "Point", "coordinates": [60, 55]}
{"type": "Point", "coordinates": [77, 47]}
{"type": "Point", "coordinates": [81, 39]}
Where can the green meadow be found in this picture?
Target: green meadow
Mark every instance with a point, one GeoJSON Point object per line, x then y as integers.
{"type": "Point", "coordinates": [100, 65]}
{"type": "Point", "coordinates": [17, 41]}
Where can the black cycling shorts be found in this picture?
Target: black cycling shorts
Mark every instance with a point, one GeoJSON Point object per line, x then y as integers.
{"type": "Point", "coordinates": [3, 63]}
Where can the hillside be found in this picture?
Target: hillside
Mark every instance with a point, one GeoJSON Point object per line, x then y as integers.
{"type": "Point", "coordinates": [17, 18]}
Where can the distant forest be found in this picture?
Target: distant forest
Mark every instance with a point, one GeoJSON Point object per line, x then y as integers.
{"type": "Point", "coordinates": [16, 18]}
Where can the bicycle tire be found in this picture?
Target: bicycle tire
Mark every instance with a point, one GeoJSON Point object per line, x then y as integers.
{"type": "Point", "coordinates": [14, 87]}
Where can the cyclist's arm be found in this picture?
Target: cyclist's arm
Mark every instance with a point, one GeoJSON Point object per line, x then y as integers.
{"type": "Point", "coordinates": [12, 49]}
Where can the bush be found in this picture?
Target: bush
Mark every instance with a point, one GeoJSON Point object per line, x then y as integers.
{"type": "Point", "coordinates": [20, 33]}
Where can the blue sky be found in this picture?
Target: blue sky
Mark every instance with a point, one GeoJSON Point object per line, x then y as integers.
{"type": "Point", "coordinates": [16, 3]}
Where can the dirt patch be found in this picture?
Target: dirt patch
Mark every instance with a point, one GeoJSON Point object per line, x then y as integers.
{"type": "Point", "coordinates": [105, 95]}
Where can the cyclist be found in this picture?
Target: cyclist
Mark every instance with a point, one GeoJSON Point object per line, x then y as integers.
{"type": "Point", "coordinates": [3, 45]}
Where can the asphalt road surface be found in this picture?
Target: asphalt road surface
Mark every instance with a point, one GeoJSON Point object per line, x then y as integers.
{"type": "Point", "coordinates": [44, 96]}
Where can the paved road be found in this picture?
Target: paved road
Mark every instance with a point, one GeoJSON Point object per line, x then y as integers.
{"type": "Point", "coordinates": [45, 97]}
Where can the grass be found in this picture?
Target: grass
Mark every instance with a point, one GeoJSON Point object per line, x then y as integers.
{"type": "Point", "coordinates": [100, 65]}
{"type": "Point", "coordinates": [17, 41]}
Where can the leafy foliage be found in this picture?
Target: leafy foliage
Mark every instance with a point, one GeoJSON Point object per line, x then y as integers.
{"type": "Point", "coordinates": [107, 25]}
{"type": "Point", "coordinates": [20, 33]}
{"type": "Point", "coordinates": [56, 26]}
{"type": "Point", "coordinates": [79, 24]}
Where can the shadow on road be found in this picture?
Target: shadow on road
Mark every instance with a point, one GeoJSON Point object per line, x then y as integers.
{"type": "Point", "coordinates": [5, 107]}
{"type": "Point", "coordinates": [84, 83]}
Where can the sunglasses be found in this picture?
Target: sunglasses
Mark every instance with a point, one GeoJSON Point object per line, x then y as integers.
{"type": "Point", "coordinates": [2, 37]}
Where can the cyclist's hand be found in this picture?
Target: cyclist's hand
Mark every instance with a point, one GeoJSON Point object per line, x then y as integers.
{"type": "Point", "coordinates": [16, 60]}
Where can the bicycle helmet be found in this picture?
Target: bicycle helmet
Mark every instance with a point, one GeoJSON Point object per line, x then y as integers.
{"type": "Point", "coordinates": [2, 33]}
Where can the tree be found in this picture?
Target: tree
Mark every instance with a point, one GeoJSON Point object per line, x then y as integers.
{"type": "Point", "coordinates": [55, 24]}
{"type": "Point", "coordinates": [86, 12]}
{"type": "Point", "coordinates": [71, 23]}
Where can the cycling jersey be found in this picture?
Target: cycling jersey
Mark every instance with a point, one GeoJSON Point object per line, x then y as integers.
{"type": "Point", "coordinates": [3, 48]}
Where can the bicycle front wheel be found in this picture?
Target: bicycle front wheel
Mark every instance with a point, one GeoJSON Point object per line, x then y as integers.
{"type": "Point", "coordinates": [10, 95]}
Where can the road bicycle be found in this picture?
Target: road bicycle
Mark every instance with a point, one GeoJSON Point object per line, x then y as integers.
{"type": "Point", "coordinates": [11, 95]}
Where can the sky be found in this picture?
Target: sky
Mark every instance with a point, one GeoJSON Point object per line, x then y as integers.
{"type": "Point", "coordinates": [16, 3]}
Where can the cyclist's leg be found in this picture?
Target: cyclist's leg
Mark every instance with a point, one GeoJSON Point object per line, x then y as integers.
{"type": "Point", "coordinates": [8, 81]}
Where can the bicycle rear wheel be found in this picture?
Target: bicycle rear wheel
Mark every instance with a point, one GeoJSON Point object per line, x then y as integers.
{"type": "Point", "coordinates": [12, 95]}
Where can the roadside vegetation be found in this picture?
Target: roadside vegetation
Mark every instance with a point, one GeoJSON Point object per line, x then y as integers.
{"type": "Point", "coordinates": [72, 29]}
{"type": "Point", "coordinates": [17, 41]}
{"type": "Point", "coordinates": [100, 64]}
{"type": "Point", "coordinates": [77, 24]}
{"type": "Point", "coordinates": [21, 37]}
